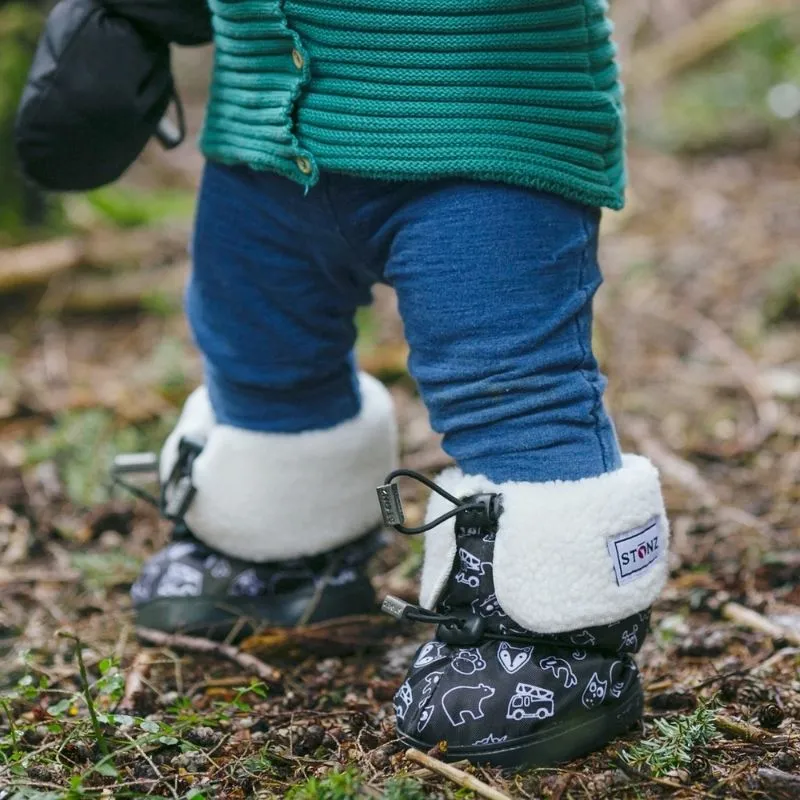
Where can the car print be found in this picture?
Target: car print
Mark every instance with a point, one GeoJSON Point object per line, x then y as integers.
{"type": "Point", "coordinates": [530, 702]}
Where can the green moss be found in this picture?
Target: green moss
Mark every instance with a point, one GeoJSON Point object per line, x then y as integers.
{"type": "Point", "coordinates": [83, 445]}
{"type": "Point", "coordinates": [725, 98]}
{"type": "Point", "coordinates": [130, 208]}
{"type": "Point", "coordinates": [334, 786]}
{"type": "Point", "coordinates": [19, 30]}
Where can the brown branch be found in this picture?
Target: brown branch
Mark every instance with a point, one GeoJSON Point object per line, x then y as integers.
{"type": "Point", "coordinates": [685, 474]}
{"type": "Point", "coordinates": [341, 634]}
{"type": "Point", "coordinates": [739, 729]}
{"type": "Point", "coordinates": [779, 783]}
{"type": "Point", "coordinates": [744, 369]}
{"type": "Point", "coordinates": [774, 659]}
{"type": "Point", "coordinates": [456, 775]}
{"type": "Point", "coordinates": [135, 680]}
{"type": "Point", "coordinates": [192, 644]}
{"type": "Point", "coordinates": [670, 463]}
{"type": "Point", "coordinates": [35, 264]}
{"type": "Point", "coordinates": [119, 292]}
{"type": "Point", "coordinates": [35, 575]}
{"type": "Point", "coordinates": [747, 618]}
{"type": "Point", "coordinates": [719, 25]}
{"type": "Point", "coordinates": [32, 265]}
{"type": "Point", "coordinates": [741, 365]}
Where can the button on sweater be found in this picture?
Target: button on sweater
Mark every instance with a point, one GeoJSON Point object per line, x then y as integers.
{"type": "Point", "coordinates": [518, 91]}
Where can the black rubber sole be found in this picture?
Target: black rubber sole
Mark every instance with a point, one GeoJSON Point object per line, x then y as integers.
{"type": "Point", "coordinates": [554, 744]}
{"type": "Point", "coordinates": [234, 617]}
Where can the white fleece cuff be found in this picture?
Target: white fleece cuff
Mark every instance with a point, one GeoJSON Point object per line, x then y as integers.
{"type": "Point", "coordinates": [568, 554]}
{"type": "Point", "coordinates": [276, 496]}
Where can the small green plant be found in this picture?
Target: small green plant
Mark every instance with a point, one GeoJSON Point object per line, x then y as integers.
{"type": "Point", "coordinates": [87, 693]}
{"type": "Point", "coordinates": [83, 445]}
{"type": "Point", "coordinates": [673, 744]}
{"type": "Point", "coordinates": [404, 788]}
{"type": "Point", "coordinates": [128, 207]}
{"type": "Point", "coordinates": [80, 740]}
{"type": "Point", "coordinates": [334, 786]}
{"type": "Point", "coordinates": [726, 95]}
{"type": "Point", "coordinates": [782, 300]}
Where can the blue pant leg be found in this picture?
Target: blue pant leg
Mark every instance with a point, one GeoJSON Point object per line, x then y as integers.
{"type": "Point", "coordinates": [271, 304]}
{"type": "Point", "coordinates": [495, 286]}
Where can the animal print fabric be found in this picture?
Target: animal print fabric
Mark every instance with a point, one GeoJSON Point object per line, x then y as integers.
{"type": "Point", "coordinates": [498, 692]}
{"type": "Point", "coordinates": [188, 568]}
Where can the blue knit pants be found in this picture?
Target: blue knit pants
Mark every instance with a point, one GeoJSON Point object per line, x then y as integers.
{"type": "Point", "coordinates": [495, 286]}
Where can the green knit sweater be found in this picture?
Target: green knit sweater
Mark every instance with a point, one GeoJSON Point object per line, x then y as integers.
{"type": "Point", "coordinates": [520, 91]}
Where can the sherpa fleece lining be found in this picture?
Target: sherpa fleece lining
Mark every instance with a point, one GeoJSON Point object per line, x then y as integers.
{"type": "Point", "coordinates": [275, 496]}
{"type": "Point", "coordinates": [552, 568]}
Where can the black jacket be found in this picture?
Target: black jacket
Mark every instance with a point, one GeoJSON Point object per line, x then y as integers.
{"type": "Point", "coordinates": [99, 86]}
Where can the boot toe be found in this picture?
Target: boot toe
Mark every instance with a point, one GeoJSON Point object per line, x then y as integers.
{"type": "Point", "coordinates": [516, 706]}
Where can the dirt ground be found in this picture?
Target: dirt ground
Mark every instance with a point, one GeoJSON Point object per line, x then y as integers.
{"type": "Point", "coordinates": [697, 329]}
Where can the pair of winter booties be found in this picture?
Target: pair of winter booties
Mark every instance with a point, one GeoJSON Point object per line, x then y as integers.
{"type": "Point", "coordinates": [539, 592]}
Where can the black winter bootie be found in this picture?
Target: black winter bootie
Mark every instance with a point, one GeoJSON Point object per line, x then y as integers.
{"type": "Point", "coordinates": [270, 529]}
{"type": "Point", "coordinates": [189, 588]}
{"type": "Point", "coordinates": [495, 689]}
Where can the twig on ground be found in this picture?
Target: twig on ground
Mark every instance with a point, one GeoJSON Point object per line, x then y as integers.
{"type": "Point", "coordinates": [747, 618]}
{"type": "Point", "coordinates": [739, 729]}
{"type": "Point", "coordinates": [456, 775]}
{"type": "Point", "coordinates": [122, 641]}
{"type": "Point", "coordinates": [671, 464]}
{"type": "Point", "coordinates": [687, 475]}
{"type": "Point", "coordinates": [742, 366]}
{"type": "Point", "coordinates": [775, 658]}
{"type": "Point", "coordinates": [783, 783]}
{"type": "Point", "coordinates": [728, 780]}
{"type": "Point", "coordinates": [758, 668]}
{"type": "Point", "coordinates": [156, 771]}
{"type": "Point", "coordinates": [135, 682]}
{"type": "Point", "coordinates": [35, 264]}
{"type": "Point", "coordinates": [117, 292]}
{"type": "Point", "coordinates": [192, 644]}
{"type": "Point", "coordinates": [359, 630]}
{"type": "Point", "coordinates": [35, 575]}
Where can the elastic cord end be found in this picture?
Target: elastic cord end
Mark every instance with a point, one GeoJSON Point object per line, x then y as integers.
{"type": "Point", "coordinates": [391, 505]}
{"type": "Point", "coordinates": [395, 607]}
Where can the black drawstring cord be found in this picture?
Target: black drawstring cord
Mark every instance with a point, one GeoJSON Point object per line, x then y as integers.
{"type": "Point", "coordinates": [142, 494]}
{"type": "Point", "coordinates": [462, 631]}
{"type": "Point", "coordinates": [392, 506]}
{"type": "Point", "coordinates": [135, 464]}
{"type": "Point", "coordinates": [479, 511]}
{"type": "Point", "coordinates": [174, 503]}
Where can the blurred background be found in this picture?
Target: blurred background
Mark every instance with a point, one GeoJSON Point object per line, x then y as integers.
{"type": "Point", "coordinates": [698, 328]}
{"type": "Point", "coordinates": [94, 352]}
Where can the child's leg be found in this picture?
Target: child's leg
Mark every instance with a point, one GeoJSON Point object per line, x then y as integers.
{"type": "Point", "coordinates": [495, 286]}
{"type": "Point", "coordinates": [293, 439]}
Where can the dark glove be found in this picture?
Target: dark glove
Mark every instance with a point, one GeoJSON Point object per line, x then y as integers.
{"type": "Point", "coordinates": [97, 91]}
{"type": "Point", "coordinates": [184, 22]}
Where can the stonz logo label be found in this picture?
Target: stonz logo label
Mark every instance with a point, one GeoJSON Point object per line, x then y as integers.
{"type": "Point", "coordinates": [634, 552]}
